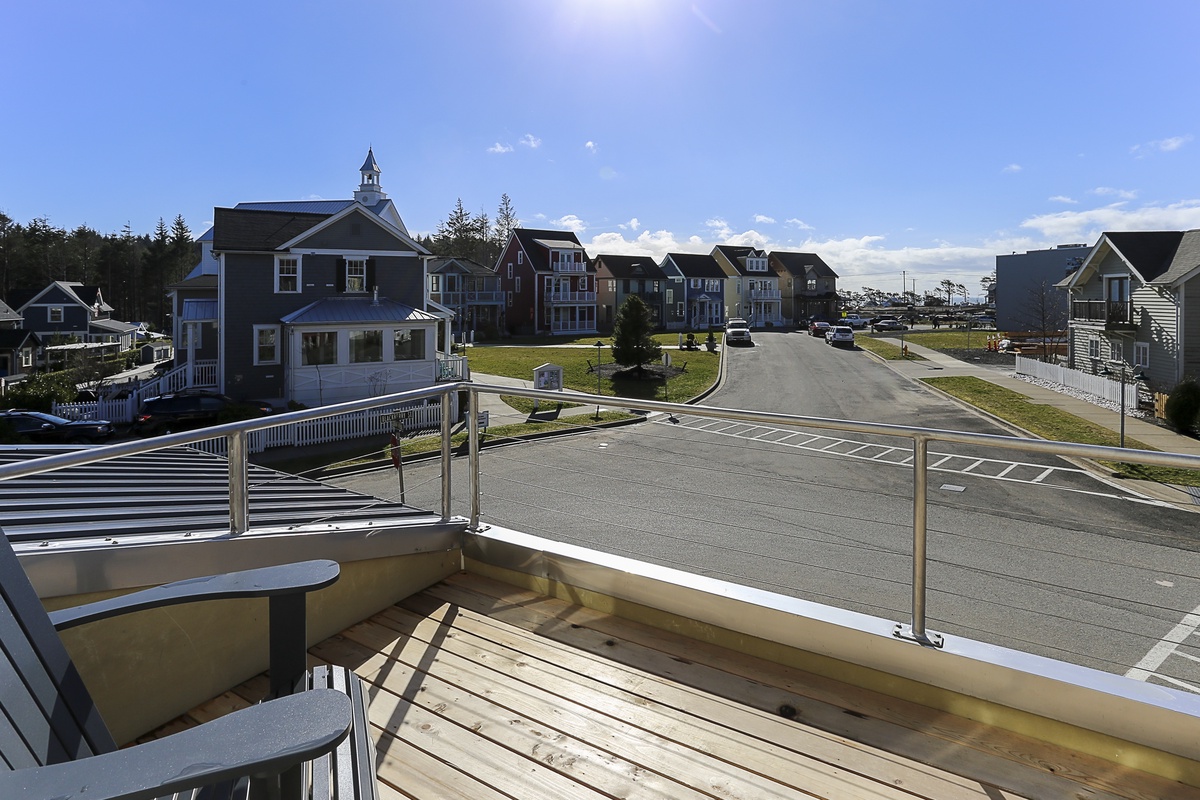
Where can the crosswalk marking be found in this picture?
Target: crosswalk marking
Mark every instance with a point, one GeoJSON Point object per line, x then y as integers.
{"type": "Point", "coordinates": [990, 468]}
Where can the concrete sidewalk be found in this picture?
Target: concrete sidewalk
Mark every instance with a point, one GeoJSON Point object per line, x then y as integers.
{"type": "Point", "coordinates": [500, 413]}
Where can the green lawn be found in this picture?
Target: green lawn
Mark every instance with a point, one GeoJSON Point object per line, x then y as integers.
{"type": "Point", "coordinates": [950, 340]}
{"type": "Point", "coordinates": [885, 350]}
{"type": "Point", "coordinates": [1052, 423]}
{"type": "Point", "coordinates": [700, 370]}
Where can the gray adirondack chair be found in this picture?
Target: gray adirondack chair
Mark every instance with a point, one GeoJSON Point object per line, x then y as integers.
{"type": "Point", "coordinates": [53, 743]}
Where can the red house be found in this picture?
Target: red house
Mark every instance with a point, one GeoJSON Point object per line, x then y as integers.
{"type": "Point", "coordinates": [548, 285]}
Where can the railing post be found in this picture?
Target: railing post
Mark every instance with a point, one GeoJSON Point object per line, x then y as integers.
{"type": "Point", "coordinates": [446, 408]}
{"type": "Point", "coordinates": [473, 453]}
{"type": "Point", "coordinates": [916, 630]}
{"type": "Point", "coordinates": [239, 492]}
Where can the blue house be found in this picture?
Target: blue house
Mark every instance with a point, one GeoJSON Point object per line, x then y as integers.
{"type": "Point", "coordinates": [694, 298]}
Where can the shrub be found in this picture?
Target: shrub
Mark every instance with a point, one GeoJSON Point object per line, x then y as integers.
{"type": "Point", "coordinates": [1183, 406]}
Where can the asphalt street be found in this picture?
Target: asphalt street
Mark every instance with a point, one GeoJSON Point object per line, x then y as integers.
{"type": "Point", "coordinates": [1026, 551]}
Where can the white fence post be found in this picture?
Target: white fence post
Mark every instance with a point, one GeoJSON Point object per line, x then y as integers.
{"type": "Point", "coordinates": [1096, 385]}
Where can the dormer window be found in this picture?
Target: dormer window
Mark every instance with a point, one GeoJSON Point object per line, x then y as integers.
{"type": "Point", "coordinates": [756, 264]}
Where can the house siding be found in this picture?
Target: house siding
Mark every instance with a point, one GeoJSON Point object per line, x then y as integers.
{"type": "Point", "coordinates": [353, 232]}
{"type": "Point", "coordinates": [1154, 310]}
{"type": "Point", "coordinates": [1191, 329]}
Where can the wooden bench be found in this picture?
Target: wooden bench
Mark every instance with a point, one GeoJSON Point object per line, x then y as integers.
{"type": "Point", "coordinates": [53, 743]}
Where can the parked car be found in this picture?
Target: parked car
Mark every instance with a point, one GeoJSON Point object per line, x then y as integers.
{"type": "Point", "coordinates": [42, 428]}
{"type": "Point", "coordinates": [737, 332]}
{"type": "Point", "coordinates": [889, 325]}
{"type": "Point", "coordinates": [982, 322]}
{"type": "Point", "coordinates": [189, 410]}
{"type": "Point", "coordinates": [840, 335]}
{"type": "Point", "coordinates": [854, 321]}
{"type": "Point", "coordinates": [736, 322]}
{"type": "Point", "coordinates": [818, 328]}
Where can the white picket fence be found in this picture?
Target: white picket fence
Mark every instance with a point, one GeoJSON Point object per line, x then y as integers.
{"type": "Point", "coordinates": [407, 419]}
{"type": "Point", "coordinates": [1096, 385]}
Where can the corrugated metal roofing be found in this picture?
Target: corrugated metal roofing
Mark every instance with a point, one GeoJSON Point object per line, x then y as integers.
{"type": "Point", "coordinates": [356, 309]}
{"type": "Point", "coordinates": [174, 491]}
{"type": "Point", "coordinates": [200, 310]}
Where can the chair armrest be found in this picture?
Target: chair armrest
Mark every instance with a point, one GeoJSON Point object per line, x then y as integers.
{"type": "Point", "coordinates": [285, 579]}
{"type": "Point", "coordinates": [261, 740]}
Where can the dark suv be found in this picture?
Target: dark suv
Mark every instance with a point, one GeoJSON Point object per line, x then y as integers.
{"type": "Point", "coordinates": [187, 410]}
{"type": "Point", "coordinates": [41, 428]}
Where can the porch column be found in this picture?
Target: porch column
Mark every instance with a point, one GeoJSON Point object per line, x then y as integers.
{"type": "Point", "coordinates": [191, 353]}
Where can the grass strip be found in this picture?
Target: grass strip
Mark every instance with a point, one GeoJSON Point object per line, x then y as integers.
{"type": "Point", "coordinates": [1053, 423]}
{"type": "Point", "coordinates": [885, 350]}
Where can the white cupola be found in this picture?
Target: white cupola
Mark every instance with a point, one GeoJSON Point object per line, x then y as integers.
{"type": "Point", "coordinates": [369, 192]}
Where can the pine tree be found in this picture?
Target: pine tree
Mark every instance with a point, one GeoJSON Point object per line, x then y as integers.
{"type": "Point", "coordinates": [506, 223]}
{"type": "Point", "coordinates": [183, 251]}
{"type": "Point", "coordinates": [633, 344]}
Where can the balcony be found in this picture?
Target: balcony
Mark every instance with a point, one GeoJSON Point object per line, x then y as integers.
{"type": "Point", "coordinates": [467, 298]}
{"type": "Point", "coordinates": [505, 664]}
{"type": "Point", "coordinates": [569, 266]}
{"type": "Point", "coordinates": [1112, 314]}
{"type": "Point", "coordinates": [766, 294]}
{"type": "Point", "coordinates": [571, 298]}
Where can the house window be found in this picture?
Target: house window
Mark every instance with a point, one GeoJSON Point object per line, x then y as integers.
{"type": "Point", "coordinates": [508, 299]}
{"type": "Point", "coordinates": [811, 284]}
{"type": "Point", "coordinates": [435, 283]}
{"type": "Point", "coordinates": [1118, 288]}
{"type": "Point", "coordinates": [1141, 355]}
{"type": "Point", "coordinates": [612, 286]}
{"type": "Point", "coordinates": [318, 348]}
{"type": "Point", "coordinates": [56, 314]}
{"type": "Point", "coordinates": [510, 270]}
{"type": "Point", "coordinates": [366, 347]}
{"type": "Point", "coordinates": [670, 296]}
{"type": "Point", "coordinates": [266, 344]}
{"type": "Point", "coordinates": [287, 274]}
{"type": "Point", "coordinates": [1093, 347]}
{"type": "Point", "coordinates": [26, 356]}
{"type": "Point", "coordinates": [679, 310]}
{"type": "Point", "coordinates": [1116, 351]}
{"type": "Point", "coordinates": [187, 331]}
{"type": "Point", "coordinates": [695, 283]}
{"type": "Point", "coordinates": [520, 257]}
{"type": "Point", "coordinates": [583, 283]}
{"type": "Point", "coordinates": [356, 275]}
{"type": "Point", "coordinates": [408, 345]}
{"type": "Point", "coordinates": [517, 284]}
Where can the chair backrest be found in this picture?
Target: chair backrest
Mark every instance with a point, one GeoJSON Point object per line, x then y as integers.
{"type": "Point", "coordinates": [48, 715]}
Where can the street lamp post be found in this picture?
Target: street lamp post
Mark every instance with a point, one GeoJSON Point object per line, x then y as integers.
{"type": "Point", "coordinates": [599, 345]}
{"type": "Point", "coordinates": [1136, 377]}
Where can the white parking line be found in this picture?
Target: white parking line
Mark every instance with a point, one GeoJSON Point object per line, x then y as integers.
{"type": "Point", "coordinates": [1165, 648]}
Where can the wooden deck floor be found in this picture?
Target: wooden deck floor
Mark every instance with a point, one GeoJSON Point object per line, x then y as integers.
{"type": "Point", "coordinates": [481, 690]}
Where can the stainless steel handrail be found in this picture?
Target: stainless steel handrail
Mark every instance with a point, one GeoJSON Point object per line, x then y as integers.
{"type": "Point", "coordinates": [236, 433]}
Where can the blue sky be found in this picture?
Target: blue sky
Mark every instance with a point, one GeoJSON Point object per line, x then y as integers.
{"type": "Point", "coordinates": [921, 138]}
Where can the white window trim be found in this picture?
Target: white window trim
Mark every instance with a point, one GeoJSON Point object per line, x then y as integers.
{"type": "Point", "coordinates": [1141, 355]}
{"type": "Point", "coordinates": [357, 263]}
{"type": "Point", "coordinates": [278, 344]}
{"type": "Point", "coordinates": [1094, 347]}
{"type": "Point", "coordinates": [520, 257]}
{"type": "Point", "coordinates": [299, 273]}
{"type": "Point", "coordinates": [51, 313]}
{"type": "Point", "coordinates": [517, 284]}
{"type": "Point", "coordinates": [510, 270]}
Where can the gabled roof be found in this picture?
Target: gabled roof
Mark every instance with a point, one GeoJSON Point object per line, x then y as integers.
{"type": "Point", "coordinates": [695, 265]}
{"type": "Point", "coordinates": [624, 267]}
{"type": "Point", "coordinates": [799, 264]}
{"type": "Point", "coordinates": [736, 256]}
{"type": "Point", "coordinates": [13, 338]}
{"type": "Point", "coordinates": [537, 245]}
{"type": "Point", "coordinates": [1148, 252]}
{"type": "Point", "coordinates": [7, 314]}
{"type": "Point", "coordinates": [468, 266]}
{"type": "Point", "coordinates": [374, 219]}
{"type": "Point", "coordinates": [86, 296]}
{"type": "Point", "coordinates": [1185, 262]}
{"type": "Point", "coordinates": [244, 229]}
{"type": "Point", "coordinates": [356, 309]}
{"type": "Point", "coordinates": [113, 326]}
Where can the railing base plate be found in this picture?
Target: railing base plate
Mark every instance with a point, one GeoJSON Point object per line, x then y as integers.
{"type": "Point", "coordinates": [928, 639]}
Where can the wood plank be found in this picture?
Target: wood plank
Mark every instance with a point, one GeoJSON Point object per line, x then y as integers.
{"type": "Point", "coordinates": [571, 708]}
{"type": "Point", "coordinates": [991, 756]}
{"type": "Point", "coordinates": [760, 742]}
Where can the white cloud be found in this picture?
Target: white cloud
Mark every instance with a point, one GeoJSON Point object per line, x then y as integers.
{"type": "Point", "coordinates": [1087, 225]}
{"type": "Point", "coordinates": [608, 173]}
{"type": "Point", "coordinates": [1060, 198]}
{"type": "Point", "coordinates": [571, 223]}
{"type": "Point", "coordinates": [1012, 168]}
{"type": "Point", "coordinates": [1168, 145]}
{"type": "Point", "coordinates": [530, 141]}
{"type": "Point", "coordinates": [799, 223]}
{"type": "Point", "coordinates": [632, 225]}
{"type": "Point", "coordinates": [1108, 191]}
{"type": "Point", "coordinates": [590, 146]}
{"type": "Point", "coordinates": [750, 238]}
{"type": "Point", "coordinates": [763, 219]}
{"type": "Point", "coordinates": [718, 228]}
{"type": "Point", "coordinates": [500, 148]}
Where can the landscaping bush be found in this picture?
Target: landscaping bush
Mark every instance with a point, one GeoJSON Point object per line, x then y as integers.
{"type": "Point", "coordinates": [1183, 406]}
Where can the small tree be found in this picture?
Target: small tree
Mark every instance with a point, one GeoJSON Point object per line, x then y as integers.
{"type": "Point", "coordinates": [1183, 406]}
{"type": "Point", "coordinates": [633, 344]}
